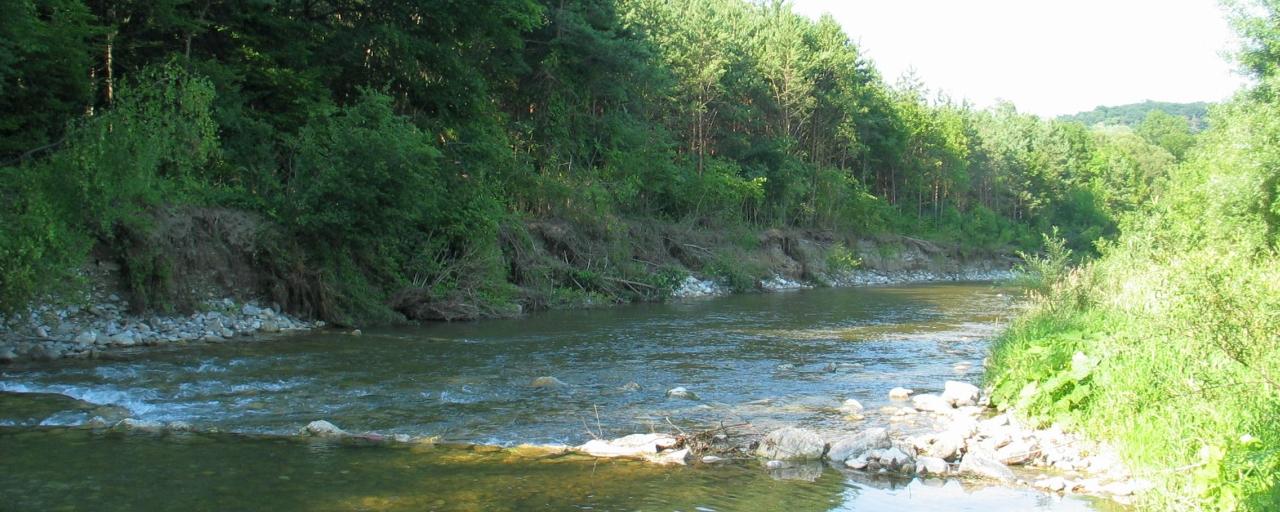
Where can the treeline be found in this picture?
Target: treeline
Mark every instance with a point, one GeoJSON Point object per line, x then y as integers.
{"type": "Point", "coordinates": [386, 141]}
{"type": "Point", "coordinates": [1168, 344]}
{"type": "Point", "coordinates": [1196, 115]}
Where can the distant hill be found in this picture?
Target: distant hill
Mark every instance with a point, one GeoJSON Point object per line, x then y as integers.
{"type": "Point", "coordinates": [1132, 115]}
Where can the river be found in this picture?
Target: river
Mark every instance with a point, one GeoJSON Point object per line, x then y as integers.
{"type": "Point", "coordinates": [763, 360]}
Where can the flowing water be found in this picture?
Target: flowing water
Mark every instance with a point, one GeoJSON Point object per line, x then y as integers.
{"type": "Point", "coordinates": [765, 360]}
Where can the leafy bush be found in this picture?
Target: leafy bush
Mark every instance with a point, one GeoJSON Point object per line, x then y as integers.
{"type": "Point", "coordinates": [38, 248]}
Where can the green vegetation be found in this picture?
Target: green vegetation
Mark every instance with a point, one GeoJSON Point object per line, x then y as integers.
{"type": "Point", "coordinates": [442, 160]}
{"type": "Point", "coordinates": [391, 155]}
{"type": "Point", "coordinates": [1194, 115]}
{"type": "Point", "coordinates": [1168, 344]}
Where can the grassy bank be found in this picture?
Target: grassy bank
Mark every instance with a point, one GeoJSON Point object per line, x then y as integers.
{"type": "Point", "coordinates": [1168, 345]}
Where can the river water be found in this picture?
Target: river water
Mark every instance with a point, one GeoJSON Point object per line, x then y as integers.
{"type": "Point", "coordinates": [763, 360]}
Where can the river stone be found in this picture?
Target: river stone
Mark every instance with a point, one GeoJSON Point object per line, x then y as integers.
{"type": "Point", "coordinates": [680, 392]}
{"type": "Point", "coordinates": [792, 444]}
{"type": "Point", "coordinates": [931, 466]}
{"type": "Point", "coordinates": [45, 352]}
{"type": "Point", "coordinates": [547, 382]}
{"type": "Point", "coordinates": [250, 310]}
{"type": "Point", "coordinates": [1015, 453]}
{"type": "Point", "coordinates": [631, 386]}
{"type": "Point", "coordinates": [650, 447]}
{"type": "Point", "coordinates": [179, 426]}
{"type": "Point", "coordinates": [86, 338]}
{"type": "Point", "coordinates": [981, 462]}
{"type": "Point", "coordinates": [132, 424]}
{"type": "Point", "coordinates": [892, 458]}
{"type": "Point", "coordinates": [124, 339]}
{"type": "Point", "coordinates": [858, 444]}
{"type": "Point", "coordinates": [900, 393]}
{"type": "Point", "coordinates": [322, 428]}
{"type": "Point", "coordinates": [269, 326]}
{"type": "Point", "coordinates": [960, 393]}
{"type": "Point", "coordinates": [945, 445]}
{"type": "Point", "coordinates": [7, 355]}
{"type": "Point", "coordinates": [930, 403]}
{"type": "Point", "coordinates": [1052, 484]}
{"type": "Point", "coordinates": [851, 406]}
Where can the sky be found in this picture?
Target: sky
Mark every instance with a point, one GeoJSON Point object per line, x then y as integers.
{"type": "Point", "coordinates": [1048, 57]}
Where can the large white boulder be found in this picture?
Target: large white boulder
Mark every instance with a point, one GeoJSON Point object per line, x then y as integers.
{"type": "Point", "coordinates": [792, 444]}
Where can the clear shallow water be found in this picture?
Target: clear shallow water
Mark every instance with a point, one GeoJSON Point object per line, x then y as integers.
{"type": "Point", "coordinates": [68, 469]}
{"type": "Point", "coordinates": [765, 359]}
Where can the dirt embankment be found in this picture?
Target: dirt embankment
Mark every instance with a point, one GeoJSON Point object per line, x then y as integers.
{"type": "Point", "coordinates": [203, 274]}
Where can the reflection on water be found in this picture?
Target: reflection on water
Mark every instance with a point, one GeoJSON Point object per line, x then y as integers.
{"type": "Point", "coordinates": [208, 472]}
{"type": "Point", "coordinates": [765, 359]}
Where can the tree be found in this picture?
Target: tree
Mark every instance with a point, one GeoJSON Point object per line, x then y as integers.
{"type": "Point", "coordinates": [1167, 131]}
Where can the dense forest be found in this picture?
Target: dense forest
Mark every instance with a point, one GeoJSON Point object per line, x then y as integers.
{"type": "Point", "coordinates": [379, 147]}
{"type": "Point", "coordinates": [1134, 114]}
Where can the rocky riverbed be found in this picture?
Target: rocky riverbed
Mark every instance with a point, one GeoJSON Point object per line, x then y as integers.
{"type": "Point", "coordinates": [47, 332]}
{"type": "Point", "coordinates": [693, 287]}
{"type": "Point", "coordinates": [961, 437]}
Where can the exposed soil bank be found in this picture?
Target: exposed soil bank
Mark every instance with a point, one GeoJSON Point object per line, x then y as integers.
{"type": "Point", "coordinates": [227, 292]}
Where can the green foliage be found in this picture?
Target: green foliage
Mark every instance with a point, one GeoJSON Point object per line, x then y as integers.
{"type": "Point", "coordinates": [38, 248]}
{"type": "Point", "coordinates": [1167, 131]}
{"type": "Point", "coordinates": [152, 147]}
{"type": "Point", "coordinates": [724, 114]}
{"type": "Point", "coordinates": [1194, 115]}
{"type": "Point", "coordinates": [840, 260]}
{"type": "Point", "coordinates": [361, 176]}
{"type": "Point", "coordinates": [1177, 321]}
{"type": "Point", "coordinates": [44, 80]}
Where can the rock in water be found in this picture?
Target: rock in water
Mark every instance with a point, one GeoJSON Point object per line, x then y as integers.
{"type": "Point", "coordinates": [853, 446]}
{"type": "Point", "coordinates": [931, 466]}
{"type": "Point", "coordinates": [792, 444]}
{"type": "Point", "coordinates": [681, 392]}
{"type": "Point", "coordinates": [851, 406]}
{"type": "Point", "coordinates": [7, 355]}
{"type": "Point", "coordinates": [900, 393]}
{"type": "Point", "coordinates": [86, 338]}
{"type": "Point", "coordinates": [322, 428]}
{"type": "Point", "coordinates": [631, 386]}
{"type": "Point", "coordinates": [547, 382]}
{"type": "Point", "coordinates": [960, 394]}
{"type": "Point", "coordinates": [650, 447]}
{"type": "Point", "coordinates": [981, 462]}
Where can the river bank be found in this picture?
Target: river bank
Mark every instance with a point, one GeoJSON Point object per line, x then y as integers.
{"type": "Point", "coordinates": [99, 319]}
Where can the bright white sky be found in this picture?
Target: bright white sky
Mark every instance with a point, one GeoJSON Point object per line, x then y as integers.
{"type": "Point", "coordinates": [1048, 57]}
